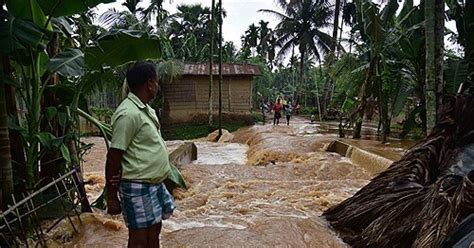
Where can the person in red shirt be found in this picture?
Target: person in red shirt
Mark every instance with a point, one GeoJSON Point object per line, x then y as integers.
{"type": "Point", "coordinates": [278, 107]}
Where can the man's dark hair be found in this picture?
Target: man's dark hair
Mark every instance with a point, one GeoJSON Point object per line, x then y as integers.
{"type": "Point", "coordinates": [139, 73]}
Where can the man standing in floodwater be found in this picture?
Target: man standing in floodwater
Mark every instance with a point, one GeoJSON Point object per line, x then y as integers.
{"type": "Point", "coordinates": [288, 112]}
{"type": "Point", "coordinates": [137, 161]}
{"type": "Point", "coordinates": [277, 108]}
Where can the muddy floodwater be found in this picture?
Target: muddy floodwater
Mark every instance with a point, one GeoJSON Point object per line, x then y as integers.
{"type": "Point", "coordinates": [266, 188]}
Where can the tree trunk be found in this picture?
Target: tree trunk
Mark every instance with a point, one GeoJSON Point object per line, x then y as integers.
{"type": "Point", "coordinates": [364, 93]}
{"type": "Point", "coordinates": [300, 85]}
{"type": "Point", "coordinates": [6, 175]}
{"type": "Point", "coordinates": [221, 19]}
{"type": "Point", "coordinates": [430, 66]}
{"type": "Point", "coordinates": [439, 56]}
{"type": "Point", "coordinates": [328, 85]}
{"type": "Point", "coordinates": [16, 144]}
{"type": "Point", "coordinates": [51, 165]}
{"type": "Point", "coordinates": [383, 111]}
{"type": "Point", "coordinates": [211, 62]}
{"type": "Point", "coordinates": [420, 94]}
{"type": "Point", "coordinates": [85, 205]}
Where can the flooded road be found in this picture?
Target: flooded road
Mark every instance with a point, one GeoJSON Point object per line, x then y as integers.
{"type": "Point", "coordinates": [267, 188]}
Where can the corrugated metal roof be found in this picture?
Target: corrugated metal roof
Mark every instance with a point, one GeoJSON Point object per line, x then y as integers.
{"type": "Point", "coordinates": [227, 69]}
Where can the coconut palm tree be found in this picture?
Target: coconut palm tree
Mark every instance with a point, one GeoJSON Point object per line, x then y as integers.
{"type": "Point", "coordinates": [156, 10]}
{"type": "Point", "coordinates": [192, 21]}
{"type": "Point", "coordinates": [329, 84]}
{"type": "Point", "coordinates": [434, 28]}
{"type": "Point", "coordinates": [301, 25]}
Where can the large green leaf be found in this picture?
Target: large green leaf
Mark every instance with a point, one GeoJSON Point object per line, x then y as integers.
{"type": "Point", "coordinates": [62, 24]}
{"type": "Point", "coordinates": [389, 10]}
{"type": "Point", "coordinates": [68, 63]}
{"type": "Point", "coordinates": [68, 7]}
{"type": "Point", "coordinates": [455, 73]}
{"type": "Point", "coordinates": [405, 90]}
{"type": "Point", "coordinates": [45, 138]}
{"type": "Point", "coordinates": [27, 9]}
{"type": "Point", "coordinates": [373, 25]}
{"type": "Point", "coordinates": [18, 34]}
{"type": "Point", "coordinates": [65, 153]}
{"type": "Point", "coordinates": [121, 47]}
{"type": "Point", "coordinates": [406, 9]}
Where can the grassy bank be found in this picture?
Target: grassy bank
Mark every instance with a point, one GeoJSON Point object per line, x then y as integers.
{"type": "Point", "coordinates": [188, 131]}
{"type": "Point", "coordinates": [198, 127]}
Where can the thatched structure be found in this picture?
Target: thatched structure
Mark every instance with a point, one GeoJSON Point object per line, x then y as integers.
{"type": "Point", "coordinates": [421, 198]}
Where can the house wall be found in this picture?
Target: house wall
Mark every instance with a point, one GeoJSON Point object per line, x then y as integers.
{"type": "Point", "coordinates": [189, 96]}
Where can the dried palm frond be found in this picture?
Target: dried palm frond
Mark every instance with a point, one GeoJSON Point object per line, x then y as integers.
{"type": "Point", "coordinates": [418, 200]}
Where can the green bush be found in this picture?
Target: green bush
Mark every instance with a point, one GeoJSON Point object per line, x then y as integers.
{"type": "Point", "coordinates": [257, 117]}
{"type": "Point", "coordinates": [103, 114]}
{"type": "Point", "coordinates": [308, 110]}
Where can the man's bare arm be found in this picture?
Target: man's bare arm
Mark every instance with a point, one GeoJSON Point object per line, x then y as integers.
{"type": "Point", "coordinates": [113, 174]}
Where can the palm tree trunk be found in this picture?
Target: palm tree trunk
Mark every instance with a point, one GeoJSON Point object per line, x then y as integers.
{"type": "Point", "coordinates": [211, 62]}
{"type": "Point", "coordinates": [419, 92]}
{"type": "Point", "coordinates": [328, 85]}
{"type": "Point", "coordinates": [439, 56]}
{"type": "Point", "coordinates": [430, 41]}
{"type": "Point", "coordinates": [300, 85]}
{"type": "Point", "coordinates": [220, 68]}
{"type": "Point", "coordinates": [6, 175]}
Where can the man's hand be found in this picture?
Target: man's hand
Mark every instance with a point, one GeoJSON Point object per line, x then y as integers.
{"type": "Point", "coordinates": [113, 206]}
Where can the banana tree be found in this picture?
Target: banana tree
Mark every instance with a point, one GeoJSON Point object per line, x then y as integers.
{"type": "Point", "coordinates": [373, 34]}
{"type": "Point", "coordinates": [394, 66]}
{"type": "Point", "coordinates": [23, 35]}
{"type": "Point", "coordinates": [25, 29]}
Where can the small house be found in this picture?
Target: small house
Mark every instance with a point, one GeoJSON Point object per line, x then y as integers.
{"type": "Point", "coordinates": [188, 96]}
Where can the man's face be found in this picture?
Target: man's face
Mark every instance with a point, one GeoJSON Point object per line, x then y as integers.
{"type": "Point", "coordinates": [153, 87]}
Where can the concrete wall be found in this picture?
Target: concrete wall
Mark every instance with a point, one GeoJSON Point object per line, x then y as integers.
{"type": "Point", "coordinates": [372, 163]}
{"type": "Point", "coordinates": [189, 96]}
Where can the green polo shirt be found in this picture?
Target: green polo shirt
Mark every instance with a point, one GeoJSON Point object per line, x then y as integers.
{"type": "Point", "coordinates": [136, 131]}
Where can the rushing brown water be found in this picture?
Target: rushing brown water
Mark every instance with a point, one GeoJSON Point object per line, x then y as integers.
{"type": "Point", "coordinates": [267, 188]}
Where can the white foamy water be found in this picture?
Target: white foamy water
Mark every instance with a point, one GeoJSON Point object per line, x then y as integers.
{"type": "Point", "coordinates": [210, 153]}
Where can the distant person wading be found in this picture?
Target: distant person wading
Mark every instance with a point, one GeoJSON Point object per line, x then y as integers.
{"type": "Point", "coordinates": [278, 107]}
{"type": "Point", "coordinates": [288, 112]}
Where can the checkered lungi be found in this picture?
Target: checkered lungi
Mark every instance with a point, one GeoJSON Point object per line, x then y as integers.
{"type": "Point", "coordinates": [145, 204]}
